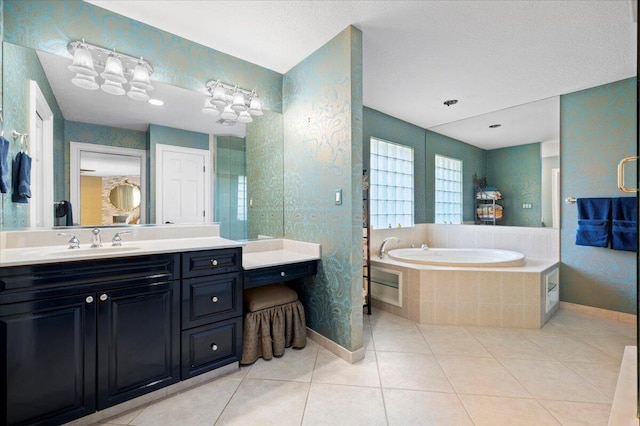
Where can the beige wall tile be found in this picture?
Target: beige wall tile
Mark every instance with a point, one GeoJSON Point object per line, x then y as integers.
{"type": "Point", "coordinates": [512, 316]}
{"type": "Point", "coordinates": [414, 310]}
{"type": "Point", "coordinates": [445, 287]}
{"type": "Point", "coordinates": [489, 287]}
{"type": "Point", "coordinates": [466, 287]}
{"type": "Point", "coordinates": [532, 316]}
{"type": "Point", "coordinates": [466, 313]}
{"type": "Point", "coordinates": [532, 289]}
{"type": "Point", "coordinates": [445, 313]}
{"type": "Point", "coordinates": [489, 315]}
{"type": "Point", "coordinates": [427, 312]}
{"type": "Point", "coordinates": [512, 285]}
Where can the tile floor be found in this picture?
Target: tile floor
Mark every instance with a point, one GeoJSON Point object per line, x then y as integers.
{"type": "Point", "coordinates": [564, 374]}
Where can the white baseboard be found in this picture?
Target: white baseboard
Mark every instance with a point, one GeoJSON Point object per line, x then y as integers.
{"type": "Point", "coordinates": [340, 351]}
{"type": "Point", "coordinates": [599, 312]}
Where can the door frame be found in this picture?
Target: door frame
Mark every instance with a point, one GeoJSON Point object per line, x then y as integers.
{"type": "Point", "coordinates": [43, 196]}
{"type": "Point", "coordinates": [76, 150]}
{"type": "Point", "coordinates": [205, 154]}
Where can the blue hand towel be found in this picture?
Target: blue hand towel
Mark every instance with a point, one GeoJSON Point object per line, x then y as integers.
{"type": "Point", "coordinates": [63, 209]}
{"type": "Point", "coordinates": [594, 215]}
{"type": "Point", "coordinates": [624, 230]}
{"type": "Point", "coordinates": [21, 178]}
{"type": "Point", "coordinates": [4, 165]}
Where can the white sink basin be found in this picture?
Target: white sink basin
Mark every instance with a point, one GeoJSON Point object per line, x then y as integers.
{"type": "Point", "coordinates": [87, 251]}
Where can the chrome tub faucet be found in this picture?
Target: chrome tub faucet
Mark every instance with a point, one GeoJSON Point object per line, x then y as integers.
{"type": "Point", "coordinates": [384, 243]}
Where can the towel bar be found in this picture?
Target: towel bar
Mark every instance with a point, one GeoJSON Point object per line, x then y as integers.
{"type": "Point", "coordinates": [621, 164]}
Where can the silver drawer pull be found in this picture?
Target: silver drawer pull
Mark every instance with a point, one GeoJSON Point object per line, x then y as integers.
{"type": "Point", "coordinates": [214, 347]}
{"type": "Point", "coordinates": [89, 299]}
{"type": "Point", "coordinates": [214, 262]}
{"type": "Point", "coordinates": [214, 299]}
{"type": "Point", "coordinates": [103, 297]}
{"type": "Point", "coordinates": [282, 274]}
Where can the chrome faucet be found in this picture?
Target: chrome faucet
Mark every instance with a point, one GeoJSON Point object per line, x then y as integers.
{"type": "Point", "coordinates": [384, 243]}
{"type": "Point", "coordinates": [117, 239]}
{"type": "Point", "coordinates": [424, 246]}
{"type": "Point", "coordinates": [74, 242]}
{"type": "Point", "coordinates": [96, 238]}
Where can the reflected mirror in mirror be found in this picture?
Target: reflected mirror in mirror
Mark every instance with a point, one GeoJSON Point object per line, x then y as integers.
{"type": "Point", "coordinates": [522, 159]}
{"type": "Point", "coordinates": [125, 196]}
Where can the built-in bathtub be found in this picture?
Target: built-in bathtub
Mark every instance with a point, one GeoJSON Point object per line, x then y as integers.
{"type": "Point", "coordinates": [522, 294]}
{"type": "Point", "coordinates": [479, 257]}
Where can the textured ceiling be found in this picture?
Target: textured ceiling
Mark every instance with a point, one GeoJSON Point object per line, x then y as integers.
{"type": "Point", "coordinates": [490, 55]}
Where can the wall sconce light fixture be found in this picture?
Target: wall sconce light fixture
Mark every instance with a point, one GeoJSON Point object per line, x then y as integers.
{"type": "Point", "coordinates": [115, 66]}
{"type": "Point", "coordinates": [231, 103]}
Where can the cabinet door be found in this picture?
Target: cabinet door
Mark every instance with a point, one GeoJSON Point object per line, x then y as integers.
{"type": "Point", "coordinates": [212, 298]}
{"type": "Point", "coordinates": [48, 362]}
{"type": "Point", "coordinates": [138, 341]}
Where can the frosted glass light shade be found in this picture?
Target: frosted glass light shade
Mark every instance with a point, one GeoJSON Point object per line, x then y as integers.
{"type": "Point", "coordinates": [219, 97]}
{"type": "Point", "coordinates": [138, 94]}
{"type": "Point", "coordinates": [238, 102]}
{"type": "Point", "coordinates": [210, 109]}
{"type": "Point", "coordinates": [228, 113]}
{"type": "Point", "coordinates": [113, 70]}
{"type": "Point", "coordinates": [140, 78]}
{"type": "Point", "coordinates": [112, 88]}
{"type": "Point", "coordinates": [85, 81]}
{"type": "Point", "coordinates": [255, 107]}
{"type": "Point", "coordinates": [83, 62]}
{"type": "Point", "coordinates": [245, 117]}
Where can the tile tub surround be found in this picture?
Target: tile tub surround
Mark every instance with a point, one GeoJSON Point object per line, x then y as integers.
{"type": "Point", "coordinates": [489, 297]}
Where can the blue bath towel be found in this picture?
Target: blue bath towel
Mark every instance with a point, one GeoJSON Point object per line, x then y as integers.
{"type": "Point", "coordinates": [4, 165]}
{"type": "Point", "coordinates": [21, 178]}
{"type": "Point", "coordinates": [594, 216]}
{"type": "Point", "coordinates": [624, 229]}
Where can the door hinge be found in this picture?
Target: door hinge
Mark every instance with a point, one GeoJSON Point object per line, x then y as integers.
{"type": "Point", "coordinates": [203, 213]}
{"type": "Point", "coordinates": [203, 169]}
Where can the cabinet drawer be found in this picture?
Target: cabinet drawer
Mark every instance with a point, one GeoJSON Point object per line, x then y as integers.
{"type": "Point", "coordinates": [211, 346]}
{"type": "Point", "coordinates": [212, 298]}
{"type": "Point", "coordinates": [278, 274]}
{"type": "Point", "coordinates": [200, 263]}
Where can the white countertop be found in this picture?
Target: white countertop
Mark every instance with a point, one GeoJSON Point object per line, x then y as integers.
{"type": "Point", "coordinates": [274, 252]}
{"type": "Point", "coordinates": [61, 253]}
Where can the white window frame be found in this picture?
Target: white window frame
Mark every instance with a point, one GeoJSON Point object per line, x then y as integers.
{"type": "Point", "coordinates": [391, 192]}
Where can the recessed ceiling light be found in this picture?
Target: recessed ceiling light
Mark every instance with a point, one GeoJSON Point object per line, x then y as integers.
{"type": "Point", "coordinates": [451, 102]}
{"type": "Point", "coordinates": [493, 126]}
{"type": "Point", "coordinates": [156, 102]}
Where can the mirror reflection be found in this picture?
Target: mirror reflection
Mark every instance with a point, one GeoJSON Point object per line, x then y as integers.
{"type": "Point", "coordinates": [522, 163]}
{"type": "Point", "coordinates": [93, 117]}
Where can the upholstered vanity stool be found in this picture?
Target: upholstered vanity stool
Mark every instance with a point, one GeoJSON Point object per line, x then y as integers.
{"type": "Point", "coordinates": [274, 319]}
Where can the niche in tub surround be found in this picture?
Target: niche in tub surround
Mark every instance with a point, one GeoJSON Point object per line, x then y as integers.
{"type": "Point", "coordinates": [535, 243]}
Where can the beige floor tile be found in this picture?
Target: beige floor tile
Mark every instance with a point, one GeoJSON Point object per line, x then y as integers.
{"type": "Point", "coordinates": [570, 349]}
{"type": "Point", "coordinates": [612, 346]}
{"type": "Point", "coordinates": [266, 402]}
{"type": "Point", "coordinates": [579, 413]}
{"type": "Point", "coordinates": [124, 418]}
{"type": "Point", "coordinates": [602, 376]}
{"type": "Point", "coordinates": [499, 411]}
{"type": "Point", "coordinates": [452, 340]}
{"type": "Point", "coordinates": [295, 365]}
{"type": "Point", "coordinates": [503, 343]}
{"type": "Point", "coordinates": [411, 371]}
{"type": "Point", "coordinates": [367, 337]}
{"type": "Point", "coordinates": [197, 406]}
{"type": "Point", "coordinates": [553, 380]}
{"type": "Point", "coordinates": [400, 340]}
{"type": "Point", "coordinates": [344, 405]}
{"type": "Point", "coordinates": [333, 370]}
{"type": "Point", "coordinates": [483, 376]}
{"type": "Point", "coordinates": [385, 320]}
{"type": "Point", "coordinates": [406, 407]}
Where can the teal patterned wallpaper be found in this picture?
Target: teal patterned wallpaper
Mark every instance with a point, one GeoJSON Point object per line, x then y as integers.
{"type": "Point", "coordinates": [48, 25]}
{"type": "Point", "coordinates": [23, 65]}
{"type": "Point", "coordinates": [96, 134]}
{"type": "Point", "coordinates": [598, 128]}
{"type": "Point", "coordinates": [167, 136]}
{"type": "Point", "coordinates": [517, 173]}
{"type": "Point", "coordinates": [426, 144]}
{"type": "Point", "coordinates": [265, 164]}
{"type": "Point", "coordinates": [323, 152]}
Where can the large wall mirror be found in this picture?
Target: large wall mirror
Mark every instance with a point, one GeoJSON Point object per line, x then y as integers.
{"type": "Point", "coordinates": [522, 159]}
{"type": "Point", "coordinates": [93, 117]}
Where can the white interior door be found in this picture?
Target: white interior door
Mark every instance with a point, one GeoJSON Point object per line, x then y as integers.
{"type": "Point", "coordinates": [40, 146]}
{"type": "Point", "coordinates": [182, 179]}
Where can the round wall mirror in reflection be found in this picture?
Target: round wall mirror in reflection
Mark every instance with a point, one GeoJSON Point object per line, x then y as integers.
{"type": "Point", "coordinates": [125, 196]}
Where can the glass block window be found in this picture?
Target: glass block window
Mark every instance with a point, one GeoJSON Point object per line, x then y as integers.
{"type": "Point", "coordinates": [391, 184]}
{"type": "Point", "coordinates": [448, 190]}
{"type": "Point", "coordinates": [242, 198]}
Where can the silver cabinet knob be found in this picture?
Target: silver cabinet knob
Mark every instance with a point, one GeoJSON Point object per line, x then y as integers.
{"type": "Point", "coordinates": [103, 297]}
{"type": "Point", "coordinates": [214, 347]}
{"type": "Point", "coordinates": [89, 299]}
{"type": "Point", "coordinates": [282, 274]}
{"type": "Point", "coordinates": [214, 299]}
{"type": "Point", "coordinates": [214, 262]}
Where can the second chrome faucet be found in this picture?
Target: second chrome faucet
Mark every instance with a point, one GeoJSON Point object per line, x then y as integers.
{"type": "Point", "coordinates": [384, 244]}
